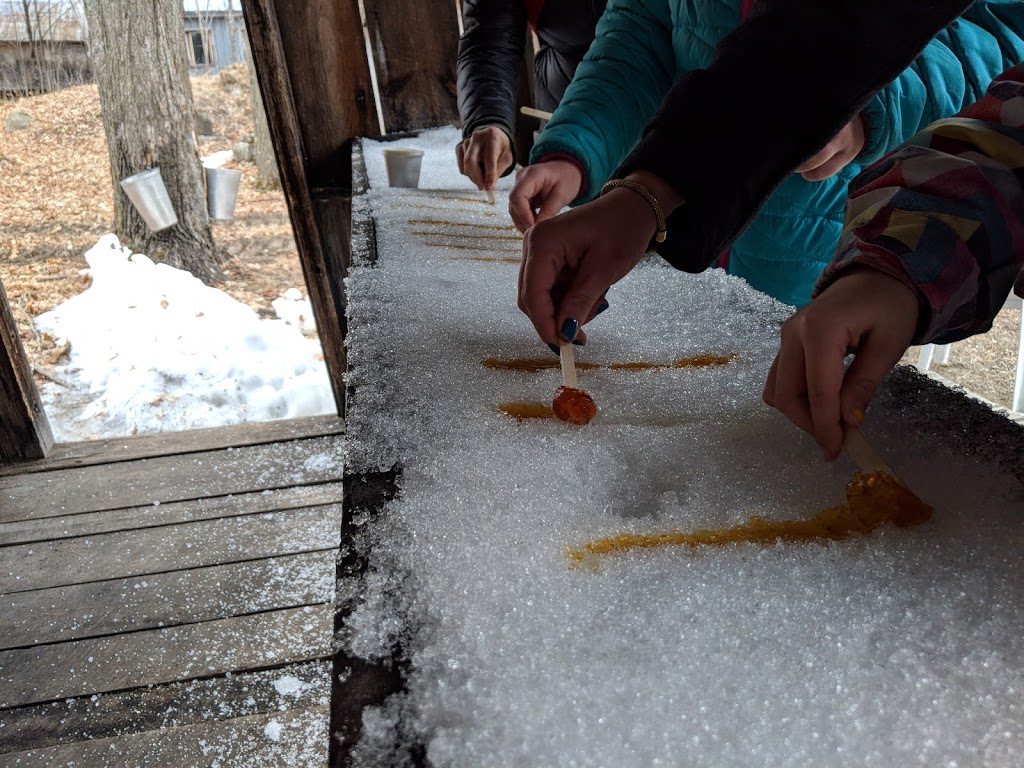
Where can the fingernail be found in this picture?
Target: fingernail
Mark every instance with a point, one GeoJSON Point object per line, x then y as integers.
{"type": "Point", "coordinates": [569, 328]}
{"type": "Point", "coordinates": [601, 308]}
{"type": "Point", "coordinates": [554, 348]}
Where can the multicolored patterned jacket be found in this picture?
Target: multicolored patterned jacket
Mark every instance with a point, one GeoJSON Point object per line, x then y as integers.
{"type": "Point", "coordinates": [944, 213]}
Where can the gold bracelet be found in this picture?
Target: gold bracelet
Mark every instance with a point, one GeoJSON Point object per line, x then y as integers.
{"type": "Point", "coordinates": [640, 189]}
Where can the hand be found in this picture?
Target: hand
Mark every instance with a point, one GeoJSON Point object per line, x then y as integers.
{"type": "Point", "coordinates": [569, 261]}
{"type": "Point", "coordinates": [541, 191]}
{"type": "Point", "coordinates": [837, 154]}
{"type": "Point", "coordinates": [484, 156]}
{"type": "Point", "coordinates": [865, 312]}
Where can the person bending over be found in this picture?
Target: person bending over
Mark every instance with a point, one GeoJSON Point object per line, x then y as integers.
{"type": "Point", "coordinates": [643, 46]}
{"type": "Point", "coordinates": [932, 245]}
{"type": "Point", "coordinates": [489, 63]}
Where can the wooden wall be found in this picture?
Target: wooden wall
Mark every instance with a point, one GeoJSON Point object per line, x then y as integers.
{"type": "Point", "coordinates": [311, 61]}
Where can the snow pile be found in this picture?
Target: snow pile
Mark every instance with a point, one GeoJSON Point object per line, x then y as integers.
{"type": "Point", "coordinates": [154, 349]}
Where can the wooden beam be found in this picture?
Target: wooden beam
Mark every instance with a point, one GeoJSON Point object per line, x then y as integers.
{"type": "Point", "coordinates": [156, 481]}
{"type": "Point", "coordinates": [201, 544]}
{"type": "Point", "coordinates": [161, 709]}
{"type": "Point", "coordinates": [119, 606]}
{"type": "Point", "coordinates": [272, 740]}
{"type": "Point", "coordinates": [24, 430]}
{"type": "Point", "coordinates": [148, 516]}
{"type": "Point", "coordinates": [415, 47]}
{"type": "Point", "coordinates": [115, 449]}
{"type": "Point", "coordinates": [119, 662]}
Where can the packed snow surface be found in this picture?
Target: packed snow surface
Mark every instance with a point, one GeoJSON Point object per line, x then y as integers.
{"type": "Point", "coordinates": [903, 647]}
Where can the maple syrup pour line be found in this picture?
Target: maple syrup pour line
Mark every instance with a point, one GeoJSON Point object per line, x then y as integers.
{"type": "Point", "coordinates": [442, 208]}
{"type": "Point", "coordinates": [464, 235]}
{"type": "Point", "coordinates": [534, 366]}
{"type": "Point", "coordinates": [864, 456]}
{"type": "Point", "coordinates": [468, 224]}
{"type": "Point", "coordinates": [568, 366]}
{"type": "Point", "coordinates": [431, 196]}
{"type": "Point", "coordinates": [462, 247]}
{"type": "Point", "coordinates": [509, 260]}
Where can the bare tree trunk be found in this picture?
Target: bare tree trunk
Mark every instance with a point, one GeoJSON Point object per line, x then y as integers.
{"type": "Point", "coordinates": [263, 147]}
{"type": "Point", "coordinates": [138, 57]}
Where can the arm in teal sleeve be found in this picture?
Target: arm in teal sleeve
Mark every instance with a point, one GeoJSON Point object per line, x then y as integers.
{"type": "Point", "coordinates": [951, 72]}
{"type": "Point", "coordinates": [617, 88]}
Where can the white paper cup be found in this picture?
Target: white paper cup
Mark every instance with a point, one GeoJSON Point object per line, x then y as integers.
{"type": "Point", "coordinates": [403, 167]}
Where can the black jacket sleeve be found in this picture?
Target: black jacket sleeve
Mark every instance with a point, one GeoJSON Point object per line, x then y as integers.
{"type": "Point", "coordinates": [782, 84]}
{"type": "Point", "coordinates": [490, 59]}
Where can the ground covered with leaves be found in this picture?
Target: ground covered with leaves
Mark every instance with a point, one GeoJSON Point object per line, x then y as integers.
{"type": "Point", "coordinates": [57, 199]}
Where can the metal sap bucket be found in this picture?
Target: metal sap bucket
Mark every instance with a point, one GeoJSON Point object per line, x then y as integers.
{"type": "Point", "coordinates": [403, 167]}
{"type": "Point", "coordinates": [222, 192]}
{"type": "Point", "coordinates": [148, 194]}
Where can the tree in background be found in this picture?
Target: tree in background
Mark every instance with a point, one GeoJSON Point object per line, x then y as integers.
{"type": "Point", "coordinates": [141, 70]}
{"type": "Point", "coordinates": [263, 147]}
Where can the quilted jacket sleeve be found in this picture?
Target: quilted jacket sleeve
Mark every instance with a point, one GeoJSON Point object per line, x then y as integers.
{"type": "Point", "coordinates": [616, 89]}
{"type": "Point", "coordinates": [952, 71]}
{"type": "Point", "coordinates": [490, 58]}
{"type": "Point", "coordinates": [945, 215]}
{"type": "Point", "coordinates": [782, 84]}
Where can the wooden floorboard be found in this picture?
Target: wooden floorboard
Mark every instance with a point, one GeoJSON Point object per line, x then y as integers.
{"type": "Point", "coordinates": [169, 548]}
{"type": "Point", "coordinates": [90, 452]}
{"type": "Point", "coordinates": [170, 478]}
{"type": "Point", "coordinates": [169, 705]}
{"type": "Point", "coordinates": [118, 606]}
{"type": "Point", "coordinates": [119, 662]}
{"type": "Point", "coordinates": [296, 737]}
{"type": "Point", "coordinates": [168, 600]}
{"type": "Point", "coordinates": [148, 516]}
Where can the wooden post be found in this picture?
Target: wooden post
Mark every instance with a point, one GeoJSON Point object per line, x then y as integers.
{"type": "Point", "coordinates": [415, 45]}
{"type": "Point", "coordinates": [24, 430]}
{"type": "Point", "coordinates": [311, 65]}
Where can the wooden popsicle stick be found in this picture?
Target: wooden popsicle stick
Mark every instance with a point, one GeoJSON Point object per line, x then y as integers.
{"type": "Point", "coordinates": [539, 113]}
{"type": "Point", "coordinates": [490, 196]}
{"type": "Point", "coordinates": [568, 366]}
{"type": "Point", "coordinates": [864, 456]}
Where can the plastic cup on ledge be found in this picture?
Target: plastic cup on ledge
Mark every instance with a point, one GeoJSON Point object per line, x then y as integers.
{"type": "Point", "coordinates": [403, 167]}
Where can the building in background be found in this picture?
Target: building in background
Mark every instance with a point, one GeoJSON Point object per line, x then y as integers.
{"type": "Point", "coordinates": [213, 35]}
{"type": "Point", "coordinates": [43, 46]}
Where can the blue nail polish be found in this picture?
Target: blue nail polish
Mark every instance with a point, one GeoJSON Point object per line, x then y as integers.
{"type": "Point", "coordinates": [601, 308]}
{"type": "Point", "coordinates": [569, 328]}
{"type": "Point", "coordinates": [554, 348]}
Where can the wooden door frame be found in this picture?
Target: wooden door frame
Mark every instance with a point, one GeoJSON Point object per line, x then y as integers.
{"type": "Point", "coordinates": [24, 429]}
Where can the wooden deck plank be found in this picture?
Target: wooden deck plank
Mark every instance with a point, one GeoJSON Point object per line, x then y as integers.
{"type": "Point", "coordinates": [168, 599]}
{"type": "Point", "coordinates": [120, 662]}
{"type": "Point", "coordinates": [169, 548]}
{"type": "Point", "coordinates": [148, 516]}
{"type": "Point", "coordinates": [90, 452]}
{"type": "Point", "coordinates": [169, 478]}
{"type": "Point", "coordinates": [169, 705]}
{"type": "Point", "coordinates": [296, 737]}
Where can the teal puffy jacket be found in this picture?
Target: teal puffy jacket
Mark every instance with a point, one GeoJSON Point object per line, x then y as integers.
{"type": "Point", "coordinates": [642, 46]}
